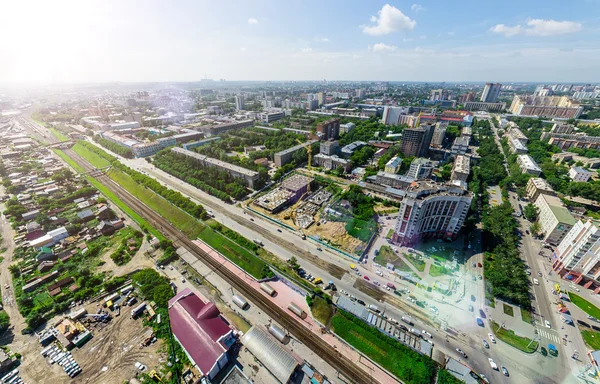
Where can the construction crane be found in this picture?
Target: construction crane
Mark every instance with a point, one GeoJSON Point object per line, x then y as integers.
{"type": "Point", "coordinates": [309, 152]}
{"type": "Point", "coordinates": [418, 121]}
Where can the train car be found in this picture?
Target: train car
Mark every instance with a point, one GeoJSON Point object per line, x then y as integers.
{"type": "Point", "coordinates": [240, 302]}
{"type": "Point", "coordinates": [279, 334]}
{"type": "Point", "coordinates": [297, 310]}
{"type": "Point", "coordinates": [138, 310]}
{"type": "Point", "coordinates": [268, 289]}
{"type": "Point", "coordinates": [126, 290]}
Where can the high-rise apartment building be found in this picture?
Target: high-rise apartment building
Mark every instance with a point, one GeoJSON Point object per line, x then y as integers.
{"type": "Point", "coordinates": [438, 94]}
{"type": "Point", "coordinates": [421, 168]}
{"type": "Point", "coordinates": [329, 147]}
{"type": "Point", "coordinates": [329, 130]}
{"type": "Point", "coordinates": [546, 106]}
{"type": "Point", "coordinates": [321, 98]}
{"type": "Point", "coordinates": [431, 211]}
{"type": "Point", "coordinates": [579, 251]}
{"type": "Point", "coordinates": [415, 141]}
{"type": "Point", "coordinates": [391, 115]}
{"type": "Point", "coordinates": [461, 168]}
{"type": "Point", "coordinates": [361, 93]}
{"type": "Point", "coordinates": [438, 134]}
{"type": "Point", "coordinates": [555, 220]}
{"type": "Point", "coordinates": [239, 103]}
{"type": "Point", "coordinates": [491, 92]}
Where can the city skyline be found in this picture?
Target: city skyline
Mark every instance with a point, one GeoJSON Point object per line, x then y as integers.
{"type": "Point", "coordinates": [93, 42]}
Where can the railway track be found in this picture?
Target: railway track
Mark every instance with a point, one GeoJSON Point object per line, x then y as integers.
{"type": "Point", "coordinates": [345, 366]}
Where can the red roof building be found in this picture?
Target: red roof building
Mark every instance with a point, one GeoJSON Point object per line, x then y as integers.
{"type": "Point", "coordinates": [202, 332]}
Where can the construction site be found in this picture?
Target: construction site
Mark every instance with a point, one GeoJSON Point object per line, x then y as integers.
{"type": "Point", "coordinates": [307, 206]}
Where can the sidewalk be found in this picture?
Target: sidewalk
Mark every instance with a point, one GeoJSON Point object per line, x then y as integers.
{"type": "Point", "coordinates": [514, 323]}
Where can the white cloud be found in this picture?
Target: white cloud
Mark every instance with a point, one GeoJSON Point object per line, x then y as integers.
{"type": "Point", "coordinates": [451, 33]}
{"type": "Point", "coordinates": [306, 50]}
{"type": "Point", "coordinates": [539, 27]}
{"type": "Point", "coordinates": [381, 47]}
{"type": "Point", "coordinates": [322, 39]}
{"type": "Point", "coordinates": [390, 19]}
{"type": "Point", "coordinates": [416, 8]}
{"type": "Point", "coordinates": [252, 21]}
{"type": "Point", "coordinates": [243, 49]}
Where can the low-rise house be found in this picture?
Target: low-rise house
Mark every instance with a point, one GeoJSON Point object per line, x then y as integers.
{"type": "Point", "coordinates": [107, 228]}
{"type": "Point", "coordinates": [31, 215]}
{"type": "Point", "coordinates": [45, 253]}
{"type": "Point", "coordinates": [86, 215]}
{"type": "Point", "coordinates": [45, 266]}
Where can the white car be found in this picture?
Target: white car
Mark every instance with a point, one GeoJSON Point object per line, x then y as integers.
{"type": "Point", "coordinates": [492, 339]}
{"type": "Point", "coordinates": [492, 364]}
{"type": "Point", "coordinates": [379, 273]}
{"type": "Point", "coordinates": [548, 324]}
{"type": "Point", "coordinates": [140, 366]}
{"type": "Point", "coordinates": [424, 332]}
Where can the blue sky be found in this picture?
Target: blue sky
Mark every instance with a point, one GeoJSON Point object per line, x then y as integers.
{"type": "Point", "coordinates": [136, 40]}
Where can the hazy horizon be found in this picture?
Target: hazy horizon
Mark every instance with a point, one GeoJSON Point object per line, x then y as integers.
{"type": "Point", "coordinates": [69, 42]}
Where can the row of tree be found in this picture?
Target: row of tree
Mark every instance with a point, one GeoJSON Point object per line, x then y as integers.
{"type": "Point", "coordinates": [174, 197]}
{"type": "Point", "coordinates": [119, 149]}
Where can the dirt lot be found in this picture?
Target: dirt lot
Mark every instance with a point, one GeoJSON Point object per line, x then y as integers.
{"type": "Point", "coordinates": [336, 232]}
{"type": "Point", "coordinates": [110, 356]}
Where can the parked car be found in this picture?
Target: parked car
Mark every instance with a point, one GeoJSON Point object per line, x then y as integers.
{"type": "Point", "coordinates": [366, 277]}
{"type": "Point", "coordinates": [480, 322]}
{"type": "Point", "coordinates": [485, 343]}
{"type": "Point", "coordinates": [504, 370]}
{"type": "Point", "coordinates": [547, 324]}
{"type": "Point", "coordinates": [470, 308]}
{"type": "Point", "coordinates": [427, 334]}
{"type": "Point", "coordinates": [461, 352]}
{"type": "Point", "coordinates": [359, 301]}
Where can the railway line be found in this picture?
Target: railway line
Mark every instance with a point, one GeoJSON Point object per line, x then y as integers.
{"type": "Point", "coordinates": [345, 366]}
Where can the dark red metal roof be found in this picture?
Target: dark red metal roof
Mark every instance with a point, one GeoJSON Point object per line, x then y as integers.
{"type": "Point", "coordinates": [199, 328]}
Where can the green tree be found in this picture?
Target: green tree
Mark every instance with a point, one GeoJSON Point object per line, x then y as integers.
{"type": "Point", "coordinates": [530, 212]}
{"type": "Point", "coordinates": [535, 228]}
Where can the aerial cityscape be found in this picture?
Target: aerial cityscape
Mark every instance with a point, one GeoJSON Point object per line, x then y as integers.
{"type": "Point", "coordinates": [299, 192]}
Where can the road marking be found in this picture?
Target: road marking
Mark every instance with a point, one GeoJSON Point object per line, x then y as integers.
{"type": "Point", "coordinates": [549, 336]}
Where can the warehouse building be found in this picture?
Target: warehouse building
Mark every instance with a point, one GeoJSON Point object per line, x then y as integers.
{"type": "Point", "coordinates": [203, 334]}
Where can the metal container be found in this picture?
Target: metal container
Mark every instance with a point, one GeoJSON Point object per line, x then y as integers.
{"type": "Point", "coordinates": [240, 302]}
{"type": "Point", "coordinates": [137, 310]}
{"type": "Point", "coordinates": [278, 334]}
{"type": "Point", "coordinates": [297, 310]}
{"type": "Point", "coordinates": [268, 289]}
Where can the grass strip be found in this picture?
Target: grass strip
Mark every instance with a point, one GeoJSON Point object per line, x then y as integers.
{"type": "Point", "coordinates": [509, 337]}
{"type": "Point", "coordinates": [409, 366]}
{"type": "Point", "coordinates": [321, 310]}
{"type": "Point", "coordinates": [592, 339]}
{"type": "Point", "coordinates": [585, 305]}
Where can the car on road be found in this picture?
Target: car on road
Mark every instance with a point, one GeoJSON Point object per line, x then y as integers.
{"type": "Point", "coordinates": [461, 352]}
{"type": "Point", "coordinates": [528, 272]}
{"type": "Point", "coordinates": [278, 230]}
{"type": "Point", "coordinates": [482, 314]}
{"type": "Point", "coordinates": [171, 267]}
{"type": "Point", "coordinates": [536, 282]}
{"type": "Point", "coordinates": [470, 308]}
{"type": "Point", "coordinates": [359, 301]}
{"type": "Point", "coordinates": [492, 364]}
{"type": "Point", "coordinates": [182, 280]}
{"type": "Point", "coordinates": [473, 278]}
{"type": "Point", "coordinates": [366, 277]}
{"type": "Point", "coordinates": [492, 339]}
{"type": "Point", "coordinates": [479, 265]}
{"type": "Point", "coordinates": [485, 343]}
{"type": "Point", "coordinates": [379, 273]}
{"type": "Point", "coordinates": [547, 324]}
{"type": "Point", "coordinates": [319, 249]}
{"type": "Point", "coordinates": [6, 286]}
{"type": "Point", "coordinates": [480, 277]}
{"type": "Point", "coordinates": [473, 297]}
{"type": "Point", "coordinates": [504, 370]}
{"type": "Point", "coordinates": [473, 264]}
{"type": "Point", "coordinates": [424, 332]}
{"type": "Point", "coordinates": [540, 274]}
{"type": "Point", "coordinates": [480, 322]}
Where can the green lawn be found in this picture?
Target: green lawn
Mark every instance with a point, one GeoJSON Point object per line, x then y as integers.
{"type": "Point", "coordinates": [508, 309]}
{"type": "Point", "coordinates": [591, 338]}
{"type": "Point", "coordinates": [238, 255]}
{"type": "Point", "coordinates": [390, 234]}
{"type": "Point", "coordinates": [419, 264]}
{"type": "Point", "coordinates": [509, 337]}
{"type": "Point", "coordinates": [90, 156]}
{"type": "Point", "coordinates": [59, 135]}
{"type": "Point", "coordinates": [180, 219]}
{"type": "Point", "coordinates": [321, 310]}
{"type": "Point", "coordinates": [526, 316]}
{"type": "Point", "coordinates": [585, 305]}
{"type": "Point", "coordinates": [437, 270]}
{"type": "Point", "coordinates": [406, 364]}
{"type": "Point", "coordinates": [387, 255]}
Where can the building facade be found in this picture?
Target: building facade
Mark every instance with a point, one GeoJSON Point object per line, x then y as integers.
{"type": "Point", "coordinates": [329, 130]}
{"type": "Point", "coordinates": [329, 148]}
{"type": "Point", "coordinates": [393, 166]}
{"type": "Point", "coordinates": [239, 103]}
{"type": "Point", "coordinates": [528, 165]}
{"type": "Point", "coordinates": [579, 174]}
{"type": "Point", "coordinates": [439, 133]}
{"type": "Point", "coordinates": [579, 251]}
{"type": "Point", "coordinates": [537, 186]}
{"type": "Point", "coordinates": [546, 106]}
{"type": "Point", "coordinates": [285, 156]}
{"type": "Point", "coordinates": [421, 168]}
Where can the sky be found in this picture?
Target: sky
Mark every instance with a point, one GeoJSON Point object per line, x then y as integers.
{"type": "Point", "coordinates": [46, 42]}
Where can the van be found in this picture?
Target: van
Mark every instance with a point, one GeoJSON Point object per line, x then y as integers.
{"type": "Point", "coordinates": [536, 282]}
{"type": "Point", "coordinates": [373, 307]}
